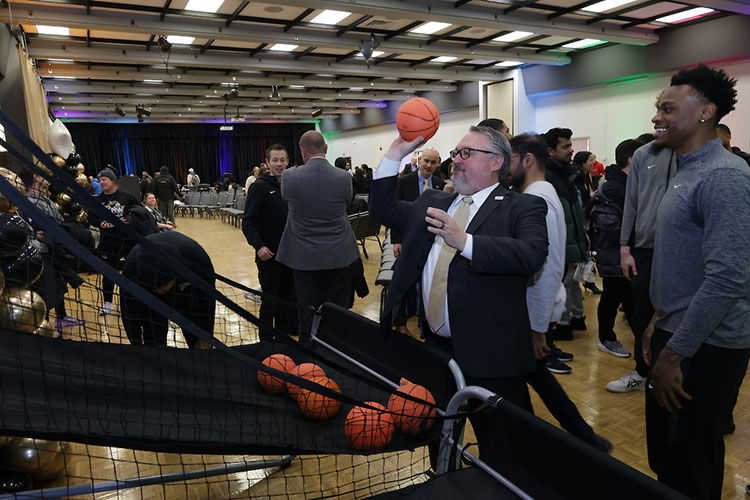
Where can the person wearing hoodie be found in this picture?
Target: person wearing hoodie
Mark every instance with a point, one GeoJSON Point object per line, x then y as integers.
{"type": "Point", "coordinates": [166, 190]}
{"type": "Point", "coordinates": [606, 217]}
{"type": "Point", "coordinates": [263, 224]}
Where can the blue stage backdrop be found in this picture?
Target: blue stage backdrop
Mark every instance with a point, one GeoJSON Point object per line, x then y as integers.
{"type": "Point", "coordinates": [133, 148]}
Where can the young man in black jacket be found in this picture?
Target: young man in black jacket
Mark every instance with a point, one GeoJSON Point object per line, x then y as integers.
{"type": "Point", "coordinates": [166, 191]}
{"type": "Point", "coordinates": [606, 216]}
{"type": "Point", "coordinates": [263, 224]}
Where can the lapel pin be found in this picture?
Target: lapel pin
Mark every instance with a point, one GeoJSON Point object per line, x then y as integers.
{"type": "Point", "coordinates": [499, 198]}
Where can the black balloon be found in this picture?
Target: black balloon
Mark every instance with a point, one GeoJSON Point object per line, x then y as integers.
{"type": "Point", "coordinates": [14, 234]}
{"type": "Point", "coordinates": [24, 269]}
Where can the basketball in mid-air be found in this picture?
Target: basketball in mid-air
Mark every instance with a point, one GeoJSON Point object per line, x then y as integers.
{"type": "Point", "coordinates": [280, 362]}
{"type": "Point", "coordinates": [417, 117]}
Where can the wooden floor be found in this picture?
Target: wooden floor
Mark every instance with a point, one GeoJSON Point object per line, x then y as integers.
{"type": "Point", "coordinates": [618, 417]}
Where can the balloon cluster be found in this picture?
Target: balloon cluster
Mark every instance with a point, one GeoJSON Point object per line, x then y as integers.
{"type": "Point", "coordinates": [25, 462]}
{"type": "Point", "coordinates": [73, 166]}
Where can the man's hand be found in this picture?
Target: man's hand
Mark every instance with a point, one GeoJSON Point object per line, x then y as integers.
{"type": "Point", "coordinates": [443, 225]}
{"type": "Point", "coordinates": [396, 249]}
{"type": "Point", "coordinates": [105, 225]}
{"type": "Point", "coordinates": [449, 188]}
{"type": "Point", "coordinates": [400, 148]}
{"type": "Point", "coordinates": [265, 254]}
{"type": "Point", "coordinates": [202, 345]}
{"type": "Point", "coordinates": [540, 345]}
{"type": "Point", "coordinates": [646, 340]}
{"type": "Point", "coordinates": [666, 380]}
{"type": "Point", "coordinates": [627, 262]}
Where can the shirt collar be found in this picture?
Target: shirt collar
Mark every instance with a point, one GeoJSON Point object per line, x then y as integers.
{"type": "Point", "coordinates": [479, 197]}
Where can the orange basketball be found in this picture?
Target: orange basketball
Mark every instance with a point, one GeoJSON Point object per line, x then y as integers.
{"type": "Point", "coordinates": [410, 416]}
{"type": "Point", "coordinates": [280, 362]}
{"type": "Point", "coordinates": [367, 429]}
{"type": "Point", "coordinates": [304, 370]}
{"type": "Point", "coordinates": [317, 406]}
{"type": "Point", "coordinates": [417, 117]}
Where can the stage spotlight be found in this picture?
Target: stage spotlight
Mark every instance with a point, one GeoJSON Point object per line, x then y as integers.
{"type": "Point", "coordinates": [141, 110]}
{"type": "Point", "coordinates": [164, 45]}
{"type": "Point", "coordinates": [275, 96]}
{"type": "Point", "coordinates": [119, 110]}
{"type": "Point", "coordinates": [317, 112]}
{"type": "Point", "coordinates": [366, 48]}
{"type": "Point", "coordinates": [140, 118]}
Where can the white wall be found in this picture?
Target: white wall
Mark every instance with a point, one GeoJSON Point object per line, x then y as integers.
{"type": "Point", "coordinates": [368, 145]}
{"type": "Point", "coordinates": [609, 114]}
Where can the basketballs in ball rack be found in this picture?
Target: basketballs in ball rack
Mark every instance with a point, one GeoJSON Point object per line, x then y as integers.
{"type": "Point", "coordinates": [417, 117]}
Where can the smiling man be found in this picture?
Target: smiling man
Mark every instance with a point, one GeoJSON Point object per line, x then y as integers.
{"type": "Point", "coordinates": [472, 251]}
{"type": "Point", "coordinates": [699, 286]}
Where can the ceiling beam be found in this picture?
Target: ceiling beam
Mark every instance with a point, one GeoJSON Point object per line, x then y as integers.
{"type": "Point", "coordinates": [236, 13]}
{"type": "Point", "coordinates": [736, 6]}
{"type": "Point", "coordinates": [521, 43]}
{"type": "Point", "coordinates": [73, 100]}
{"type": "Point", "coordinates": [206, 45]}
{"type": "Point", "coordinates": [402, 31]}
{"type": "Point", "coordinates": [654, 18]}
{"type": "Point", "coordinates": [519, 5]}
{"type": "Point", "coordinates": [353, 25]}
{"type": "Point", "coordinates": [159, 108]}
{"type": "Point", "coordinates": [447, 34]}
{"type": "Point", "coordinates": [486, 39]}
{"type": "Point", "coordinates": [297, 19]}
{"type": "Point", "coordinates": [305, 52]}
{"type": "Point", "coordinates": [573, 8]}
{"type": "Point", "coordinates": [624, 10]}
{"type": "Point", "coordinates": [164, 9]}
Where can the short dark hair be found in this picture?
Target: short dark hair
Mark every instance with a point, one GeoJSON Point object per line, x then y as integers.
{"type": "Point", "coordinates": [530, 143]}
{"type": "Point", "coordinates": [724, 129]}
{"type": "Point", "coordinates": [712, 84]}
{"type": "Point", "coordinates": [340, 162]}
{"type": "Point", "coordinates": [626, 149]}
{"type": "Point", "coordinates": [495, 123]}
{"type": "Point", "coordinates": [553, 136]}
{"type": "Point", "coordinates": [646, 138]}
{"type": "Point", "coordinates": [275, 147]}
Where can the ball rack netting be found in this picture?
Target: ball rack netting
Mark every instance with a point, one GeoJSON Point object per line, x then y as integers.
{"type": "Point", "coordinates": [172, 422]}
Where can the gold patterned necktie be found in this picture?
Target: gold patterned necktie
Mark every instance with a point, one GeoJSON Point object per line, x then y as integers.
{"type": "Point", "coordinates": [426, 185]}
{"type": "Point", "coordinates": [439, 286]}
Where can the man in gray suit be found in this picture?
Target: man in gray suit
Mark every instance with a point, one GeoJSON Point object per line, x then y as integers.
{"type": "Point", "coordinates": [318, 242]}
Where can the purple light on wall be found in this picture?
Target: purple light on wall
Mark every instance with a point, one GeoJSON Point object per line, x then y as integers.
{"type": "Point", "coordinates": [226, 153]}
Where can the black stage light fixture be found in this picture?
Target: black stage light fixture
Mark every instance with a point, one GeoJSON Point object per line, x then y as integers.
{"type": "Point", "coordinates": [119, 110]}
{"type": "Point", "coordinates": [141, 110]}
{"type": "Point", "coordinates": [140, 118]}
{"type": "Point", "coordinates": [164, 45]}
{"type": "Point", "coordinates": [317, 112]}
{"type": "Point", "coordinates": [275, 96]}
{"type": "Point", "coordinates": [366, 48]}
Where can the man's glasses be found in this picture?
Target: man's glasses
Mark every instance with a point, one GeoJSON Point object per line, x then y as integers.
{"type": "Point", "coordinates": [466, 152]}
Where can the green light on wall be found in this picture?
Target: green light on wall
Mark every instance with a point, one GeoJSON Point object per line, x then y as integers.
{"type": "Point", "coordinates": [627, 79]}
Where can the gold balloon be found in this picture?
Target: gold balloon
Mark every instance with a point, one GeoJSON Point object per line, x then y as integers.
{"type": "Point", "coordinates": [63, 198]}
{"type": "Point", "coordinates": [82, 180]}
{"type": "Point", "coordinates": [22, 310]}
{"type": "Point", "coordinates": [59, 161]}
{"type": "Point", "coordinates": [80, 168]}
{"type": "Point", "coordinates": [45, 330]}
{"type": "Point", "coordinates": [82, 217]}
{"type": "Point", "coordinates": [15, 181]}
{"type": "Point", "coordinates": [42, 460]}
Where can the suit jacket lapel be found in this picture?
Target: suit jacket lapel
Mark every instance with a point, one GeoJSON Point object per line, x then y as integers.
{"type": "Point", "coordinates": [493, 201]}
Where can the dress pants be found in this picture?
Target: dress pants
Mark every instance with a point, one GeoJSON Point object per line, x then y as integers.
{"type": "Point", "coordinates": [142, 325]}
{"type": "Point", "coordinates": [574, 296]}
{"type": "Point", "coordinates": [615, 291]}
{"type": "Point", "coordinates": [315, 287]}
{"type": "Point", "coordinates": [686, 447]}
{"type": "Point", "coordinates": [276, 280]}
{"type": "Point", "coordinates": [643, 310]}
{"type": "Point", "coordinates": [167, 208]}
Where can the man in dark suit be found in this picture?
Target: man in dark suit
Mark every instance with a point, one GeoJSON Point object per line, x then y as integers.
{"type": "Point", "coordinates": [475, 272]}
{"type": "Point", "coordinates": [409, 188]}
{"type": "Point", "coordinates": [318, 242]}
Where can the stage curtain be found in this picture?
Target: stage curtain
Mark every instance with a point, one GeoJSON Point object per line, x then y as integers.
{"type": "Point", "coordinates": [134, 148]}
{"type": "Point", "coordinates": [36, 101]}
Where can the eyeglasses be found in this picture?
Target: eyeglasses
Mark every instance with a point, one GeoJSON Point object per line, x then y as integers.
{"type": "Point", "coordinates": [466, 152]}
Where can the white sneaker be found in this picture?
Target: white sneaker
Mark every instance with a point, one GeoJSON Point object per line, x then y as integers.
{"type": "Point", "coordinates": [629, 382]}
{"type": "Point", "coordinates": [106, 309]}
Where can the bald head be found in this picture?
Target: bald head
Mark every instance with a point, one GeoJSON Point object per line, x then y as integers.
{"type": "Point", "coordinates": [429, 162]}
{"type": "Point", "coordinates": [312, 143]}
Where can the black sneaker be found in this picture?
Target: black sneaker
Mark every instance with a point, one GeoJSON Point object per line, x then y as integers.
{"type": "Point", "coordinates": [578, 323]}
{"type": "Point", "coordinates": [555, 352]}
{"type": "Point", "coordinates": [556, 366]}
{"type": "Point", "coordinates": [591, 287]}
{"type": "Point", "coordinates": [729, 426]}
{"type": "Point", "coordinates": [562, 332]}
{"type": "Point", "coordinates": [602, 443]}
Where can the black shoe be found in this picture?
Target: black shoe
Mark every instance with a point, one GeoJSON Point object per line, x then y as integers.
{"type": "Point", "coordinates": [562, 332]}
{"type": "Point", "coordinates": [578, 323]}
{"type": "Point", "coordinates": [556, 366]}
{"type": "Point", "coordinates": [591, 287]}
{"type": "Point", "coordinates": [563, 356]}
{"type": "Point", "coordinates": [602, 443]}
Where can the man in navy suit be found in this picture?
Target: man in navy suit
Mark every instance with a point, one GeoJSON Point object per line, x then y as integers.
{"type": "Point", "coordinates": [477, 310]}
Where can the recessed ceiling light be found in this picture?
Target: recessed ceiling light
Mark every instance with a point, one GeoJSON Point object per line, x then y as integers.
{"type": "Point", "coordinates": [296, 86]}
{"type": "Point", "coordinates": [60, 60]}
{"type": "Point", "coordinates": [284, 47]}
{"type": "Point", "coordinates": [684, 16]}
{"type": "Point", "coordinates": [153, 81]}
{"type": "Point", "coordinates": [430, 28]}
{"type": "Point", "coordinates": [606, 5]}
{"type": "Point", "coordinates": [375, 53]}
{"type": "Point", "coordinates": [330, 17]}
{"type": "Point", "coordinates": [509, 64]}
{"type": "Point", "coordinates": [580, 44]}
{"type": "Point", "coordinates": [204, 5]}
{"type": "Point", "coordinates": [65, 77]}
{"type": "Point", "coordinates": [443, 59]}
{"type": "Point", "coordinates": [355, 88]}
{"type": "Point", "coordinates": [513, 36]}
{"type": "Point", "coordinates": [180, 40]}
{"type": "Point", "coordinates": [52, 30]}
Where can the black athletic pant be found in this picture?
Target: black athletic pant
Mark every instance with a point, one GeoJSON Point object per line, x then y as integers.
{"type": "Point", "coordinates": [276, 280]}
{"type": "Point", "coordinates": [615, 291]}
{"type": "Point", "coordinates": [108, 286]}
{"type": "Point", "coordinates": [686, 447]}
{"type": "Point", "coordinates": [315, 287]}
{"type": "Point", "coordinates": [142, 325]}
{"type": "Point", "coordinates": [643, 310]}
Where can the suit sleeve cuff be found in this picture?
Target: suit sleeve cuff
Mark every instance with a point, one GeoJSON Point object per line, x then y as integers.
{"type": "Point", "coordinates": [386, 168]}
{"type": "Point", "coordinates": [468, 247]}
